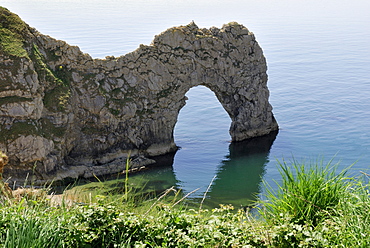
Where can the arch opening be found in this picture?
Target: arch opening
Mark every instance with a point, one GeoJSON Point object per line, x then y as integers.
{"type": "Point", "coordinates": [202, 133]}
{"type": "Point", "coordinates": [202, 118]}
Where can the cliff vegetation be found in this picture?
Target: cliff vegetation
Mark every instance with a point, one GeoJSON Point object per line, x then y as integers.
{"type": "Point", "coordinates": [12, 30]}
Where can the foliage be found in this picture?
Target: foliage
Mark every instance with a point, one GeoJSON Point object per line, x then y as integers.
{"type": "Point", "coordinates": [12, 28]}
{"type": "Point", "coordinates": [340, 218]}
{"type": "Point", "coordinates": [308, 194]}
{"type": "Point", "coordinates": [32, 232]}
{"type": "Point", "coordinates": [11, 44]}
{"type": "Point", "coordinates": [317, 207]}
{"type": "Point", "coordinates": [103, 225]}
{"type": "Point", "coordinates": [350, 226]}
{"type": "Point", "coordinates": [56, 98]}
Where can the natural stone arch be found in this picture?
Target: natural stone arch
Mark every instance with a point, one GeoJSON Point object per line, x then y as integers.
{"type": "Point", "coordinates": [231, 64]}
{"type": "Point", "coordinates": [66, 114]}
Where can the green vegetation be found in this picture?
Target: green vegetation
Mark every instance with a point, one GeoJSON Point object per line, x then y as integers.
{"type": "Point", "coordinates": [56, 99]}
{"type": "Point", "coordinates": [13, 99]}
{"type": "Point", "coordinates": [49, 129]}
{"type": "Point", "coordinates": [44, 128]}
{"type": "Point", "coordinates": [42, 69]}
{"type": "Point", "coordinates": [313, 207]}
{"type": "Point", "coordinates": [308, 195]}
{"type": "Point", "coordinates": [17, 129]}
{"type": "Point", "coordinates": [10, 44]}
{"type": "Point", "coordinates": [16, 41]}
{"type": "Point", "coordinates": [12, 30]}
{"type": "Point", "coordinates": [58, 94]}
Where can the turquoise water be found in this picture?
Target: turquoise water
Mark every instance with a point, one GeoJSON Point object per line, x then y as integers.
{"type": "Point", "coordinates": [318, 58]}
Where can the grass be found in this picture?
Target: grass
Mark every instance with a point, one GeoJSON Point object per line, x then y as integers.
{"type": "Point", "coordinates": [317, 206]}
{"type": "Point", "coordinates": [32, 232]}
{"type": "Point", "coordinates": [308, 194]}
{"type": "Point", "coordinates": [12, 28]}
{"type": "Point", "coordinates": [11, 44]}
{"type": "Point", "coordinates": [314, 206]}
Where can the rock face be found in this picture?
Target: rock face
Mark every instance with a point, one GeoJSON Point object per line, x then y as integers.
{"type": "Point", "coordinates": [65, 114]}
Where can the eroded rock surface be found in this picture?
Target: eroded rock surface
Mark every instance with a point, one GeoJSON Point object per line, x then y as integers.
{"type": "Point", "coordinates": [65, 114]}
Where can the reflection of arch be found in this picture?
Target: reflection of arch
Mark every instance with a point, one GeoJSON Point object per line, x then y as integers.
{"type": "Point", "coordinates": [239, 177]}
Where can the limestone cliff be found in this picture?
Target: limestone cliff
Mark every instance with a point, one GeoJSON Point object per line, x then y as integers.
{"type": "Point", "coordinates": [65, 114]}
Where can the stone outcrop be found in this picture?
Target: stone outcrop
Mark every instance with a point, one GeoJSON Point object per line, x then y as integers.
{"type": "Point", "coordinates": [65, 114]}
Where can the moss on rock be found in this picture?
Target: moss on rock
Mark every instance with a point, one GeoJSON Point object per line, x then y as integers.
{"type": "Point", "coordinates": [16, 130]}
{"type": "Point", "coordinates": [13, 99]}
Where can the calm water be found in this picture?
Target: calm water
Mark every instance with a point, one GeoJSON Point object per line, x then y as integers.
{"type": "Point", "coordinates": [318, 56]}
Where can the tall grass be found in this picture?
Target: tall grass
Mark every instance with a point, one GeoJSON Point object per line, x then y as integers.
{"type": "Point", "coordinates": [32, 231]}
{"type": "Point", "coordinates": [128, 161]}
{"type": "Point", "coordinates": [308, 193]}
{"type": "Point", "coordinates": [352, 218]}
{"type": "Point", "coordinates": [314, 206]}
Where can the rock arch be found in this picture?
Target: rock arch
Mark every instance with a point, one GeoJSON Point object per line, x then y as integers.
{"type": "Point", "coordinates": [229, 62]}
{"type": "Point", "coordinates": [66, 114]}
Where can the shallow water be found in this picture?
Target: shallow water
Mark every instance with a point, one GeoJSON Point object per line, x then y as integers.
{"type": "Point", "coordinates": [318, 57]}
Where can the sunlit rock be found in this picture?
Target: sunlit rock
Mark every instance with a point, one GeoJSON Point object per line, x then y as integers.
{"type": "Point", "coordinates": [64, 114]}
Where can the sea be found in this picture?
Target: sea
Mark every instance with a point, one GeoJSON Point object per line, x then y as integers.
{"type": "Point", "coordinates": [318, 56]}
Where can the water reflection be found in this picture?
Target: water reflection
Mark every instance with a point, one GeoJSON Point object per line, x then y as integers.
{"type": "Point", "coordinates": [239, 176]}
{"type": "Point", "coordinates": [237, 182]}
{"type": "Point", "coordinates": [161, 177]}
